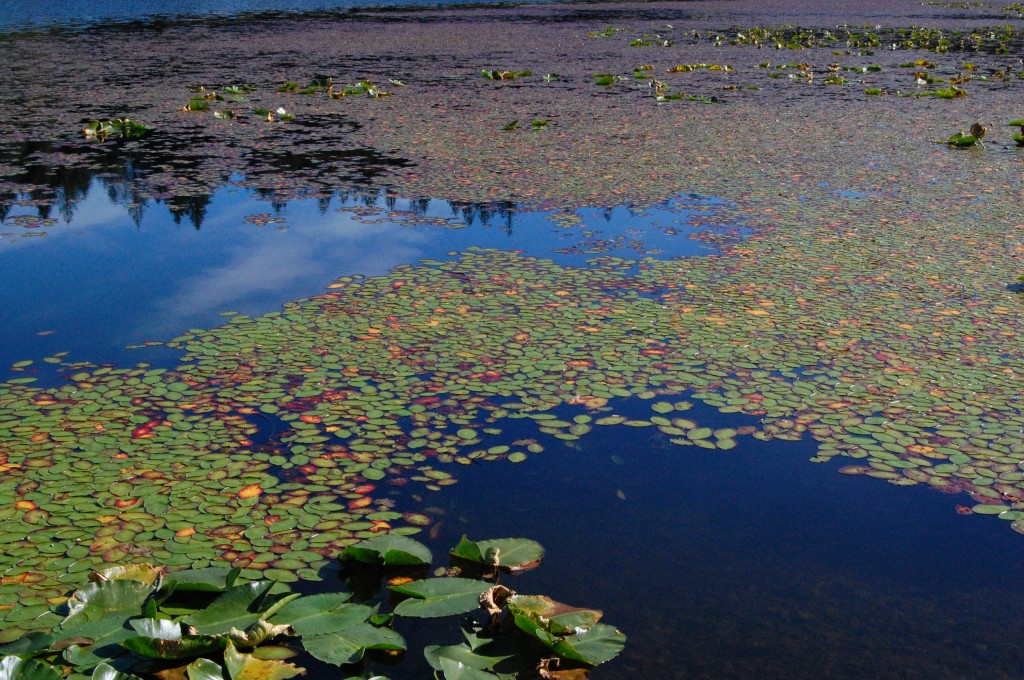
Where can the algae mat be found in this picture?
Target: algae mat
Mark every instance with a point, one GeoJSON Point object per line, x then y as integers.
{"type": "Point", "coordinates": [873, 308]}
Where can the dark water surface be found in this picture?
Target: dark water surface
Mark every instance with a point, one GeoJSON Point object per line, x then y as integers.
{"type": "Point", "coordinates": [754, 563]}
{"type": "Point", "coordinates": [28, 15]}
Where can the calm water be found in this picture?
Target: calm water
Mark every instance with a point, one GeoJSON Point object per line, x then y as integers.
{"type": "Point", "coordinates": [27, 14]}
{"type": "Point", "coordinates": [128, 274]}
{"type": "Point", "coordinates": [751, 563]}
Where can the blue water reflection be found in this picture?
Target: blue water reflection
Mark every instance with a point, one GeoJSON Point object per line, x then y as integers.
{"type": "Point", "coordinates": [103, 275]}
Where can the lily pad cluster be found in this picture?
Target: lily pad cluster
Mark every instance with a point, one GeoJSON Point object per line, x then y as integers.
{"type": "Point", "coordinates": [388, 380]}
{"type": "Point", "coordinates": [870, 313]}
{"type": "Point", "coordinates": [140, 621]}
{"type": "Point", "coordinates": [122, 128]}
{"type": "Point", "coordinates": [973, 138]}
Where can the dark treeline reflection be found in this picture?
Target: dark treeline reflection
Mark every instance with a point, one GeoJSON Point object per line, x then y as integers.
{"type": "Point", "coordinates": [52, 180]}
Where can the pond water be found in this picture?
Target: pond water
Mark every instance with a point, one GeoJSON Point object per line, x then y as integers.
{"type": "Point", "coordinates": [261, 373]}
{"type": "Point", "coordinates": [26, 15]}
{"type": "Point", "coordinates": [131, 272]}
{"type": "Point", "coordinates": [740, 563]}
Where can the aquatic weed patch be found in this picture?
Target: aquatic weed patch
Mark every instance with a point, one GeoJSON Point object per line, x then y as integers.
{"type": "Point", "coordinates": [386, 380]}
{"type": "Point", "coordinates": [870, 309]}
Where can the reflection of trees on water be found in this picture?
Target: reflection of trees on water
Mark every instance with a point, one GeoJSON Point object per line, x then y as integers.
{"type": "Point", "coordinates": [49, 177]}
{"type": "Point", "coordinates": [501, 212]}
{"type": "Point", "coordinates": [493, 213]}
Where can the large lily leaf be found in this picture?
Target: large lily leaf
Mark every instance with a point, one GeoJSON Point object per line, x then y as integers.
{"type": "Point", "coordinates": [161, 629]}
{"type": "Point", "coordinates": [321, 614]}
{"type": "Point", "coordinates": [456, 670]}
{"type": "Point", "coordinates": [349, 645]}
{"type": "Point", "coordinates": [185, 647]}
{"type": "Point", "coordinates": [434, 597]}
{"type": "Point", "coordinates": [210, 579]}
{"type": "Point", "coordinates": [442, 659]}
{"type": "Point", "coordinates": [95, 601]}
{"type": "Point", "coordinates": [93, 641]}
{"type": "Point", "coordinates": [595, 646]}
{"type": "Point", "coordinates": [468, 550]}
{"type": "Point", "coordinates": [28, 644]}
{"type": "Point", "coordinates": [248, 667]}
{"type": "Point", "coordinates": [145, 573]}
{"type": "Point", "coordinates": [13, 668]}
{"type": "Point", "coordinates": [389, 550]}
{"type": "Point", "coordinates": [556, 617]}
{"type": "Point", "coordinates": [204, 669]}
{"type": "Point", "coordinates": [508, 554]}
{"type": "Point", "coordinates": [238, 607]}
{"type": "Point", "coordinates": [534, 628]}
{"type": "Point", "coordinates": [107, 672]}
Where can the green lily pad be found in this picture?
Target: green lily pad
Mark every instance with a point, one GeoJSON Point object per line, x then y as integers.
{"type": "Point", "coordinates": [238, 607]}
{"type": "Point", "coordinates": [204, 669]}
{"type": "Point", "coordinates": [105, 671]}
{"type": "Point", "coordinates": [95, 601]}
{"type": "Point", "coordinates": [321, 614]}
{"type": "Point", "coordinates": [512, 555]}
{"type": "Point", "coordinates": [436, 597]}
{"type": "Point", "coordinates": [13, 668]}
{"type": "Point", "coordinates": [593, 646]}
{"type": "Point", "coordinates": [389, 550]}
{"type": "Point", "coordinates": [349, 645]}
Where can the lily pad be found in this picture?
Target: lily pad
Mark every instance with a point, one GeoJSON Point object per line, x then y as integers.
{"type": "Point", "coordinates": [390, 551]}
{"type": "Point", "coordinates": [436, 597]}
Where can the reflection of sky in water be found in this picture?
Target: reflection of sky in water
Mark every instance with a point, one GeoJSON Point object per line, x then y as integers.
{"type": "Point", "coordinates": [99, 282]}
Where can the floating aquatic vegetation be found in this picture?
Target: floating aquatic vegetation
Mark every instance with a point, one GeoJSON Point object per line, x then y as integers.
{"type": "Point", "coordinates": [607, 32]}
{"type": "Point", "coordinates": [385, 380]}
{"type": "Point", "coordinates": [965, 140]}
{"type": "Point", "coordinates": [508, 555]}
{"type": "Point", "coordinates": [883, 343]}
{"type": "Point", "coordinates": [1018, 137]}
{"type": "Point", "coordinates": [686, 68]}
{"type": "Point", "coordinates": [505, 75]}
{"type": "Point", "coordinates": [606, 79]}
{"type": "Point", "coordinates": [951, 92]}
{"type": "Point", "coordinates": [279, 115]}
{"type": "Point", "coordinates": [150, 623]}
{"type": "Point", "coordinates": [121, 128]}
{"type": "Point", "coordinates": [196, 105]}
{"type": "Point", "coordinates": [363, 87]}
{"type": "Point", "coordinates": [238, 89]}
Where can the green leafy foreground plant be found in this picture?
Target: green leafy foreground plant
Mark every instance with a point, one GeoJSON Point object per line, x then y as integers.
{"type": "Point", "coordinates": [139, 622]}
